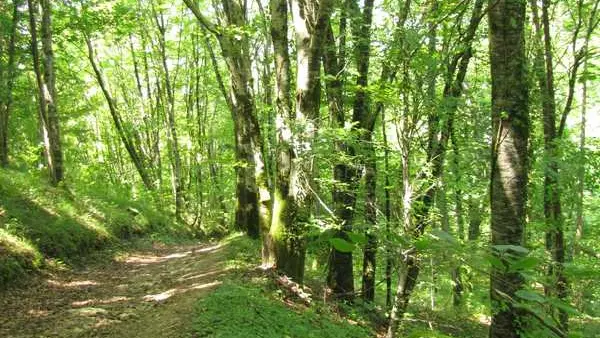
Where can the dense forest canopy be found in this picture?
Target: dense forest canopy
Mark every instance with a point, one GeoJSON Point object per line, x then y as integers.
{"type": "Point", "coordinates": [410, 153]}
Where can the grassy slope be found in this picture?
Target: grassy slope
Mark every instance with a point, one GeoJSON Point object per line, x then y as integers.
{"type": "Point", "coordinates": [40, 222]}
{"type": "Point", "coordinates": [248, 304]}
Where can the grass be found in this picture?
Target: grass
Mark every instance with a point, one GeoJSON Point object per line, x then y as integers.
{"type": "Point", "coordinates": [249, 305]}
{"type": "Point", "coordinates": [38, 222]}
{"type": "Point", "coordinates": [251, 311]}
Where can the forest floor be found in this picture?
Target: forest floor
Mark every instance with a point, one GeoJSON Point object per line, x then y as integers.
{"type": "Point", "coordinates": [147, 293]}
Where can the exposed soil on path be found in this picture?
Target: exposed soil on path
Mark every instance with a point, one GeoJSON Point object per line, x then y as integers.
{"type": "Point", "coordinates": [149, 293]}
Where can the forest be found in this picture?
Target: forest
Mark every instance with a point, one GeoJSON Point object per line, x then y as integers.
{"type": "Point", "coordinates": [299, 168]}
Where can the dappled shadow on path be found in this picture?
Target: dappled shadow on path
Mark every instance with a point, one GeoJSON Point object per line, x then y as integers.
{"type": "Point", "coordinates": [143, 294]}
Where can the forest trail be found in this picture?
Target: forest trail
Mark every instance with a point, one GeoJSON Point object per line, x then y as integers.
{"type": "Point", "coordinates": [149, 293]}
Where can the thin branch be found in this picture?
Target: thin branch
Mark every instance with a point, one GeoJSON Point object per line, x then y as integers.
{"type": "Point", "coordinates": [204, 21]}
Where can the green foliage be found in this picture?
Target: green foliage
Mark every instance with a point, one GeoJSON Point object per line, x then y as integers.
{"type": "Point", "coordinates": [39, 220]}
{"type": "Point", "coordinates": [17, 257]}
{"type": "Point", "coordinates": [426, 334]}
{"type": "Point", "coordinates": [251, 312]}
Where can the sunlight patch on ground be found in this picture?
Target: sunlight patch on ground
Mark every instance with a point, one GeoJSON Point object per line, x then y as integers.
{"type": "Point", "coordinates": [72, 284]}
{"type": "Point", "coordinates": [153, 259]}
{"type": "Point", "coordinates": [161, 297]}
{"type": "Point", "coordinates": [93, 301]}
{"type": "Point", "coordinates": [190, 276]}
{"type": "Point", "coordinates": [484, 319]}
{"type": "Point", "coordinates": [105, 322]}
{"type": "Point", "coordinates": [38, 313]}
{"type": "Point", "coordinates": [89, 311]}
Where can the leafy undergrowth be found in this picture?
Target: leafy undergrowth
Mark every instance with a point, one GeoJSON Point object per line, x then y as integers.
{"type": "Point", "coordinates": [249, 304]}
{"type": "Point", "coordinates": [39, 221]}
{"type": "Point", "coordinates": [246, 310]}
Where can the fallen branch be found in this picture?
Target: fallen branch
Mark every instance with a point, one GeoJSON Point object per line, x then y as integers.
{"type": "Point", "coordinates": [289, 287]}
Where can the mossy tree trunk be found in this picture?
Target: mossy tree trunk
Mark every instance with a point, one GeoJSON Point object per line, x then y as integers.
{"type": "Point", "coordinates": [283, 118]}
{"type": "Point", "coordinates": [292, 211]}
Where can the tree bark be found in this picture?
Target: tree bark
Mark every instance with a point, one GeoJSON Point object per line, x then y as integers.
{"type": "Point", "coordinates": [283, 117]}
{"type": "Point", "coordinates": [510, 127]}
{"type": "Point", "coordinates": [253, 208]}
{"type": "Point", "coordinates": [365, 118]}
{"type": "Point", "coordinates": [7, 77]}
{"type": "Point", "coordinates": [48, 114]}
{"type": "Point", "coordinates": [340, 269]}
{"type": "Point", "coordinates": [552, 199]}
{"type": "Point", "coordinates": [309, 19]}
{"type": "Point", "coordinates": [53, 124]}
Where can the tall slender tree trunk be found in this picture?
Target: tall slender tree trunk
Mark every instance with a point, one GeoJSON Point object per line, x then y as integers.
{"type": "Point", "coordinates": [340, 275]}
{"type": "Point", "coordinates": [366, 117]}
{"type": "Point", "coordinates": [510, 122]}
{"type": "Point", "coordinates": [134, 153]}
{"type": "Point", "coordinates": [253, 209]}
{"type": "Point", "coordinates": [281, 215]}
{"type": "Point", "coordinates": [407, 276]}
{"type": "Point", "coordinates": [7, 77]}
{"type": "Point", "coordinates": [57, 168]}
{"type": "Point", "coordinates": [340, 269]}
{"type": "Point", "coordinates": [457, 289]}
{"type": "Point", "coordinates": [48, 113]}
{"type": "Point", "coordinates": [178, 189]}
{"type": "Point", "coordinates": [552, 203]}
{"type": "Point", "coordinates": [581, 173]}
{"type": "Point", "coordinates": [436, 150]}
{"type": "Point", "coordinates": [387, 211]}
{"type": "Point", "coordinates": [309, 19]}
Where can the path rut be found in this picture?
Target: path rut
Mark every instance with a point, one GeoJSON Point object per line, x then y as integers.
{"type": "Point", "coordinates": [146, 294]}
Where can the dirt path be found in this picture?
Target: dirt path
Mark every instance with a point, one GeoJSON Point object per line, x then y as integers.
{"type": "Point", "coordinates": [142, 294]}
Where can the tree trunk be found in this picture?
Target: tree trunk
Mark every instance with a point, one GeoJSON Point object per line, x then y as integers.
{"type": "Point", "coordinates": [457, 290]}
{"type": "Point", "coordinates": [178, 190]}
{"type": "Point", "coordinates": [7, 80]}
{"type": "Point", "coordinates": [309, 19]}
{"type": "Point", "coordinates": [474, 219]}
{"type": "Point", "coordinates": [436, 151]}
{"type": "Point", "coordinates": [48, 115]}
{"type": "Point", "coordinates": [388, 212]}
{"type": "Point", "coordinates": [253, 208]}
{"type": "Point", "coordinates": [581, 172]}
{"type": "Point", "coordinates": [365, 118]}
{"type": "Point", "coordinates": [552, 204]}
{"type": "Point", "coordinates": [407, 277]}
{"type": "Point", "coordinates": [340, 274]}
{"type": "Point", "coordinates": [56, 155]}
{"type": "Point", "coordinates": [510, 127]}
{"type": "Point", "coordinates": [283, 117]}
{"type": "Point", "coordinates": [134, 154]}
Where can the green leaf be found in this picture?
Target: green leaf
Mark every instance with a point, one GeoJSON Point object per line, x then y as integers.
{"type": "Point", "coordinates": [557, 303]}
{"type": "Point", "coordinates": [494, 261]}
{"type": "Point", "coordinates": [341, 245]}
{"type": "Point", "coordinates": [531, 296]}
{"type": "Point", "coordinates": [508, 247]}
{"type": "Point", "coordinates": [357, 238]}
{"type": "Point", "coordinates": [443, 235]}
{"type": "Point", "coordinates": [422, 243]}
{"type": "Point", "coordinates": [525, 263]}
